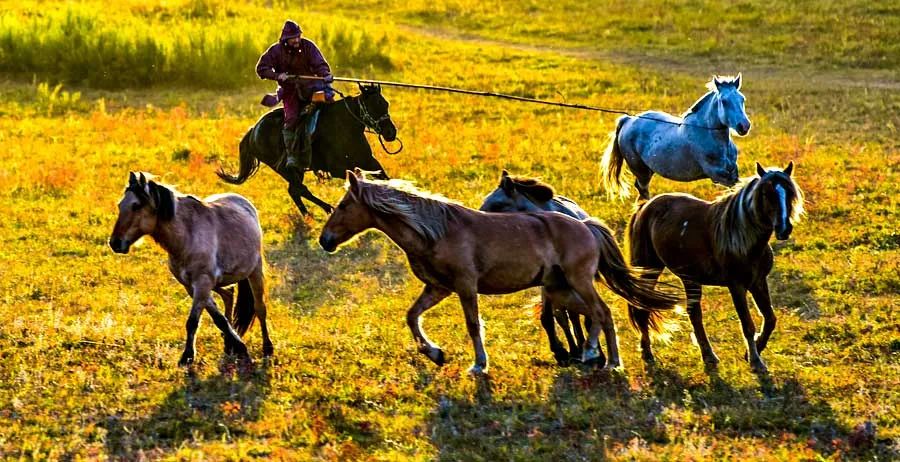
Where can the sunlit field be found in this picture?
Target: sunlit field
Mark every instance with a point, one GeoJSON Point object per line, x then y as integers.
{"type": "Point", "coordinates": [90, 340]}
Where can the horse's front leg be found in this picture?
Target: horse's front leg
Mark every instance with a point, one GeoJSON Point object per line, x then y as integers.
{"type": "Point", "coordinates": [469, 299]}
{"type": "Point", "coordinates": [201, 292]}
{"type": "Point", "coordinates": [297, 187]}
{"type": "Point", "coordinates": [547, 315]}
{"type": "Point", "coordinates": [760, 292]}
{"type": "Point", "coordinates": [429, 297]}
{"type": "Point", "coordinates": [601, 318]}
{"type": "Point", "coordinates": [739, 296]}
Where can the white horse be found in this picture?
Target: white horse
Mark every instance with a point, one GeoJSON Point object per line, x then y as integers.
{"type": "Point", "coordinates": [691, 147]}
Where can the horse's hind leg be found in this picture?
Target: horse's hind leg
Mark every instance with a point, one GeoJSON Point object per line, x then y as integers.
{"type": "Point", "coordinates": [641, 318]}
{"type": "Point", "coordinates": [429, 297]}
{"type": "Point", "coordinates": [601, 318]}
{"type": "Point", "coordinates": [547, 315]}
{"type": "Point", "coordinates": [257, 282]}
{"type": "Point", "coordinates": [642, 183]}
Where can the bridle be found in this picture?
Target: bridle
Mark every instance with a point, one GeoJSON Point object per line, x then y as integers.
{"type": "Point", "coordinates": [368, 121]}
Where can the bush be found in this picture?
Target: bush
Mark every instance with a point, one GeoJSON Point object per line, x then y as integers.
{"type": "Point", "coordinates": [78, 46]}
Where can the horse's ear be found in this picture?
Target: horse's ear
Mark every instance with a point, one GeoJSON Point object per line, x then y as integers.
{"type": "Point", "coordinates": [737, 81]}
{"type": "Point", "coordinates": [504, 173]}
{"type": "Point", "coordinates": [362, 88]}
{"type": "Point", "coordinates": [354, 183]}
{"type": "Point", "coordinates": [760, 170]}
{"type": "Point", "coordinates": [142, 180]}
{"type": "Point", "coordinates": [132, 179]}
{"type": "Point", "coordinates": [506, 183]}
{"type": "Point", "coordinates": [789, 168]}
{"type": "Point", "coordinates": [716, 82]}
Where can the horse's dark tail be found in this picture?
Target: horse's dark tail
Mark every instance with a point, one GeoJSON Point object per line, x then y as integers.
{"type": "Point", "coordinates": [624, 280]}
{"type": "Point", "coordinates": [611, 165]}
{"type": "Point", "coordinates": [244, 308]}
{"type": "Point", "coordinates": [638, 245]}
{"type": "Point", "coordinates": [249, 162]}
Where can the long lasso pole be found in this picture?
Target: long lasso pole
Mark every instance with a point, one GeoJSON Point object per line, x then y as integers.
{"type": "Point", "coordinates": [503, 96]}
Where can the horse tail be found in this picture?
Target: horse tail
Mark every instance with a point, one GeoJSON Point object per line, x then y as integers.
{"type": "Point", "coordinates": [249, 162]}
{"type": "Point", "coordinates": [636, 243]}
{"type": "Point", "coordinates": [621, 278]}
{"type": "Point", "coordinates": [244, 308]}
{"type": "Point", "coordinates": [611, 165]}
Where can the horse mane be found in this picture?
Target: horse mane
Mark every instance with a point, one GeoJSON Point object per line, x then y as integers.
{"type": "Point", "coordinates": [426, 213]}
{"type": "Point", "coordinates": [533, 187]}
{"type": "Point", "coordinates": [162, 195]}
{"type": "Point", "coordinates": [737, 228]}
{"type": "Point", "coordinates": [699, 103]}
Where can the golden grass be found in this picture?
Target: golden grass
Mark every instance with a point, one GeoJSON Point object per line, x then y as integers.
{"type": "Point", "coordinates": [89, 339]}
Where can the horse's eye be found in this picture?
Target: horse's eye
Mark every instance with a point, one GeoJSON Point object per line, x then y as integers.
{"type": "Point", "coordinates": [135, 207]}
{"type": "Point", "coordinates": [342, 205]}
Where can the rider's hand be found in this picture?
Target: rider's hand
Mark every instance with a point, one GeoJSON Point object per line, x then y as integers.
{"type": "Point", "coordinates": [281, 78]}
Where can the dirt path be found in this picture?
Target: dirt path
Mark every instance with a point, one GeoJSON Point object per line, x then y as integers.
{"type": "Point", "coordinates": [787, 76]}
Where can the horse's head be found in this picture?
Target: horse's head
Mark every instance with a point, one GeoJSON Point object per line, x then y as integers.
{"type": "Point", "coordinates": [730, 104]}
{"type": "Point", "coordinates": [507, 198]}
{"type": "Point", "coordinates": [350, 218]}
{"type": "Point", "coordinates": [374, 111]}
{"type": "Point", "coordinates": [777, 200]}
{"type": "Point", "coordinates": [142, 206]}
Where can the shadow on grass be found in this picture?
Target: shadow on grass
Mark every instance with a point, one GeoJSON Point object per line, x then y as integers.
{"type": "Point", "coordinates": [215, 408]}
{"type": "Point", "coordinates": [592, 414]}
{"type": "Point", "coordinates": [312, 277]}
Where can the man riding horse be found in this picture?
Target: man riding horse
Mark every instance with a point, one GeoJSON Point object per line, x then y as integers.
{"type": "Point", "coordinates": [294, 55]}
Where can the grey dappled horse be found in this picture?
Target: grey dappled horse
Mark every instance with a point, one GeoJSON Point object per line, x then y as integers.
{"type": "Point", "coordinates": [694, 146]}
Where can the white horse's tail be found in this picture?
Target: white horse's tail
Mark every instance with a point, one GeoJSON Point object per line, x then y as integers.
{"type": "Point", "coordinates": [611, 165]}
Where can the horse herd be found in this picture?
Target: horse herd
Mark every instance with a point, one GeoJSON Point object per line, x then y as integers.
{"type": "Point", "coordinates": [512, 243]}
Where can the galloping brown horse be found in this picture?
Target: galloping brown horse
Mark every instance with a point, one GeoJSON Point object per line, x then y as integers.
{"type": "Point", "coordinates": [212, 244]}
{"type": "Point", "coordinates": [452, 248]}
{"type": "Point", "coordinates": [720, 243]}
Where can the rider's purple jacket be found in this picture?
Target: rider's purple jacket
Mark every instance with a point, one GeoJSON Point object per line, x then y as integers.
{"type": "Point", "coordinates": [307, 60]}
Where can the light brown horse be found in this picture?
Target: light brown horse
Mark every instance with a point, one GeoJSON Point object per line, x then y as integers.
{"type": "Point", "coordinates": [212, 244]}
{"type": "Point", "coordinates": [720, 243]}
{"type": "Point", "coordinates": [452, 248]}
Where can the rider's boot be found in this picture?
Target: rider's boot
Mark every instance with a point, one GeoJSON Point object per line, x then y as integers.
{"type": "Point", "coordinates": [290, 147]}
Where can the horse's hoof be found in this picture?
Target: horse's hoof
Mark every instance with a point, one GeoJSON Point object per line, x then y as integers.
{"type": "Point", "coordinates": [437, 356]}
{"type": "Point", "coordinates": [478, 369]}
{"type": "Point", "coordinates": [592, 355]}
{"type": "Point", "coordinates": [562, 357]}
{"type": "Point", "coordinates": [185, 360]}
{"type": "Point", "coordinates": [613, 365]}
{"type": "Point", "coordinates": [268, 350]}
{"type": "Point", "coordinates": [759, 367]}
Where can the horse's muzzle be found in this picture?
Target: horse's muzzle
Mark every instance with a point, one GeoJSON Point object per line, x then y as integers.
{"type": "Point", "coordinates": [783, 233]}
{"type": "Point", "coordinates": [327, 241]}
{"type": "Point", "coordinates": [119, 245]}
{"type": "Point", "coordinates": [743, 128]}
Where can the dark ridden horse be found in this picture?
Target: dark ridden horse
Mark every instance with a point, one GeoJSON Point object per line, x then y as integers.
{"type": "Point", "coordinates": [523, 194]}
{"type": "Point", "coordinates": [339, 143]}
{"type": "Point", "coordinates": [452, 248]}
{"type": "Point", "coordinates": [720, 243]}
{"type": "Point", "coordinates": [213, 244]}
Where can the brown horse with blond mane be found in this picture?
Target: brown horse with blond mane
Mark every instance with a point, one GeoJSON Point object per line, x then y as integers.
{"type": "Point", "coordinates": [212, 244]}
{"type": "Point", "coordinates": [719, 243]}
{"type": "Point", "coordinates": [452, 248]}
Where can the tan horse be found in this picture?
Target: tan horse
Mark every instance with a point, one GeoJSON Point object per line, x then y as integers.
{"type": "Point", "coordinates": [212, 244]}
{"type": "Point", "coordinates": [452, 248]}
{"type": "Point", "coordinates": [720, 243]}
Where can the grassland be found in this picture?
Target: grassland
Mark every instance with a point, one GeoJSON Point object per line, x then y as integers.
{"type": "Point", "coordinates": [89, 340]}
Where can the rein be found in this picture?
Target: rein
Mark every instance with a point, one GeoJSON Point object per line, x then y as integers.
{"type": "Point", "coordinates": [370, 123]}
